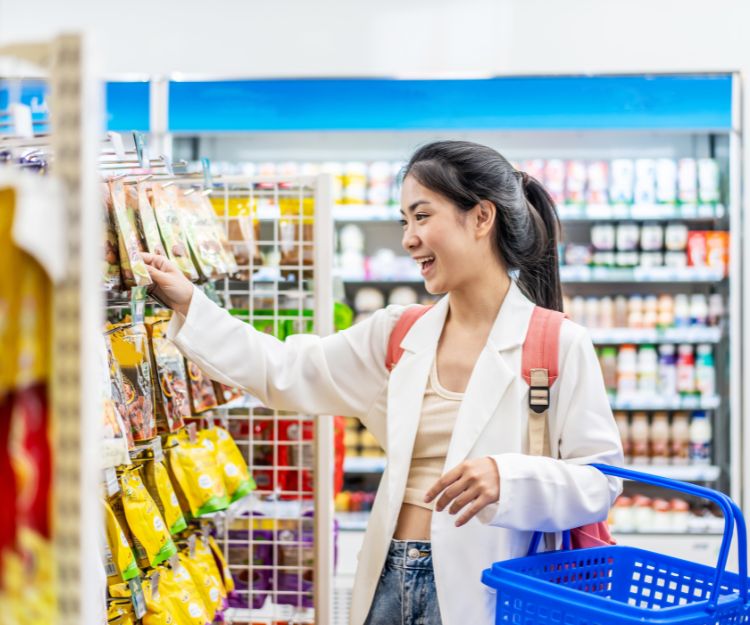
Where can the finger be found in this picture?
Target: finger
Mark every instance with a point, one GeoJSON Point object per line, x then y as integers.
{"type": "Point", "coordinates": [445, 481]}
{"type": "Point", "coordinates": [469, 495]}
{"type": "Point", "coordinates": [479, 503]}
{"type": "Point", "coordinates": [450, 494]}
{"type": "Point", "coordinates": [157, 274]}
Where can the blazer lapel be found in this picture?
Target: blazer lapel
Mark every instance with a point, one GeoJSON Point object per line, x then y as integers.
{"type": "Point", "coordinates": [492, 375]}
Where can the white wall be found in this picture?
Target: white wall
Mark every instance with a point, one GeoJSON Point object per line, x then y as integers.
{"type": "Point", "coordinates": [395, 37]}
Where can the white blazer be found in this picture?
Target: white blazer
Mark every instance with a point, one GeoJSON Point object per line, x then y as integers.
{"type": "Point", "coordinates": [345, 374]}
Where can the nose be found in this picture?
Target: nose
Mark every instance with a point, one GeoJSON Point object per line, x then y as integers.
{"type": "Point", "coordinates": [409, 239]}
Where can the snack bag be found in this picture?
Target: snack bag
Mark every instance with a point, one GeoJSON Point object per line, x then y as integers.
{"type": "Point", "coordinates": [170, 227]}
{"type": "Point", "coordinates": [131, 350]}
{"type": "Point", "coordinates": [172, 400]}
{"type": "Point", "coordinates": [152, 541]}
{"type": "Point", "coordinates": [134, 272]}
{"type": "Point", "coordinates": [206, 578]}
{"type": "Point", "coordinates": [122, 566]}
{"type": "Point", "coordinates": [243, 231]}
{"type": "Point", "coordinates": [202, 237]}
{"type": "Point", "coordinates": [160, 487]}
{"type": "Point", "coordinates": [203, 206]}
{"type": "Point", "coordinates": [111, 266]}
{"type": "Point", "coordinates": [226, 394]}
{"type": "Point", "coordinates": [237, 477]}
{"type": "Point", "coordinates": [120, 613]}
{"type": "Point", "coordinates": [202, 396]}
{"type": "Point", "coordinates": [221, 564]}
{"type": "Point", "coordinates": [296, 233]}
{"type": "Point", "coordinates": [116, 438]}
{"type": "Point", "coordinates": [158, 609]}
{"type": "Point", "coordinates": [117, 391]}
{"type": "Point", "coordinates": [139, 207]}
{"type": "Point", "coordinates": [200, 478]}
{"type": "Point", "coordinates": [178, 589]}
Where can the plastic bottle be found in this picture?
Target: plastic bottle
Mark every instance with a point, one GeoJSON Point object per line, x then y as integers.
{"type": "Point", "coordinates": [627, 372]}
{"type": "Point", "coordinates": [681, 311]}
{"type": "Point", "coordinates": [705, 371]}
{"type": "Point", "coordinates": [578, 310]}
{"type": "Point", "coordinates": [680, 437]}
{"type": "Point", "coordinates": [608, 362]}
{"type": "Point", "coordinates": [700, 439]}
{"type": "Point", "coordinates": [662, 515]}
{"type": "Point", "coordinates": [665, 308]}
{"type": "Point", "coordinates": [659, 435]}
{"type": "Point", "coordinates": [648, 367]}
{"type": "Point", "coordinates": [635, 312]}
{"type": "Point", "coordinates": [623, 515]}
{"type": "Point", "coordinates": [680, 515]}
{"type": "Point", "coordinates": [606, 313]}
{"type": "Point", "coordinates": [592, 313]}
{"type": "Point", "coordinates": [685, 369]}
{"type": "Point", "coordinates": [639, 435]}
{"type": "Point", "coordinates": [698, 310]}
{"type": "Point", "coordinates": [715, 309]}
{"type": "Point", "coordinates": [650, 311]}
{"type": "Point", "coordinates": [667, 385]}
{"type": "Point", "coordinates": [643, 513]}
{"type": "Point", "coordinates": [621, 311]}
{"type": "Point", "coordinates": [623, 425]}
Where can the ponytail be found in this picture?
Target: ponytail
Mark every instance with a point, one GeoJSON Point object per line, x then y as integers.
{"type": "Point", "coordinates": [526, 223]}
{"type": "Point", "coordinates": [540, 280]}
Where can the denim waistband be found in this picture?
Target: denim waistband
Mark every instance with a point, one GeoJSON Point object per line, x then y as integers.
{"type": "Point", "coordinates": [410, 554]}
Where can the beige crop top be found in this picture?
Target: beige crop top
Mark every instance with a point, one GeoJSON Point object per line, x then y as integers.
{"type": "Point", "coordinates": [439, 412]}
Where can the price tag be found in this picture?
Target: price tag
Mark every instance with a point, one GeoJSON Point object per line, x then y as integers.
{"type": "Point", "coordinates": [115, 138]}
{"type": "Point", "coordinates": [141, 150]}
{"type": "Point", "coordinates": [136, 596]}
{"type": "Point", "coordinates": [111, 481]}
{"type": "Point", "coordinates": [192, 435]}
{"type": "Point", "coordinates": [158, 451]}
{"type": "Point", "coordinates": [155, 577]}
{"type": "Point", "coordinates": [191, 546]}
{"type": "Point", "coordinates": [20, 118]}
{"type": "Point", "coordinates": [138, 296]}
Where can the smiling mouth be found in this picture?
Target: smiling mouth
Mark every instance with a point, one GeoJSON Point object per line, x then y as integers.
{"type": "Point", "coordinates": [426, 263]}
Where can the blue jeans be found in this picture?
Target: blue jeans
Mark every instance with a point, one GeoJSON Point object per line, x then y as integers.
{"type": "Point", "coordinates": [406, 591]}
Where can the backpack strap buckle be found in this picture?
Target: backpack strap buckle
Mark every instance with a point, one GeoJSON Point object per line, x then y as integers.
{"type": "Point", "coordinates": [539, 390]}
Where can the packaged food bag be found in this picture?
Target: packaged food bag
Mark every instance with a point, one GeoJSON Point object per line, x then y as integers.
{"type": "Point", "coordinates": [122, 566]}
{"type": "Point", "coordinates": [130, 348]}
{"type": "Point", "coordinates": [204, 207]}
{"type": "Point", "coordinates": [296, 233]}
{"type": "Point", "coordinates": [202, 395]}
{"type": "Point", "coordinates": [158, 608]}
{"type": "Point", "coordinates": [134, 272]}
{"type": "Point", "coordinates": [170, 227]}
{"type": "Point", "coordinates": [221, 564]}
{"type": "Point", "coordinates": [111, 265]}
{"type": "Point", "coordinates": [172, 399]}
{"type": "Point", "coordinates": [142, 214]}
{"type": "Point", "coordinates": [206, 578]}
{"type": "Point", "coordinates": [226, 394]}
{"type": "Point", "coordinates": [202, 237]}
{"type": "Point", "coordinates": [199, 476]}
{"type": "Point", "coordinates": [116, 438]}
{"type": "Point", "coordinates": [178, 589]}
{"type": "Point", "coordinates": [120, 613]}
{"type": "Point", "coordinates": [152, 541]}
{"type": "Point", "coordinates": [159, 486]}
{"type": "Point", "coordinates": [243, 231]}
{"type": "Point", "coordinates": [237, 478]}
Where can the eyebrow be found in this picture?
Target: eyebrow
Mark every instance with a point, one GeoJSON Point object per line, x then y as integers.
{"type": "Point", "coordinates": [413, 206]}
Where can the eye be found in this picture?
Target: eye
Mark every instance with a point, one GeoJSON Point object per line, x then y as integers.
{"type": "Point", "coordinates": [420, 216]}
{"type": "Point", "coordinates": [402, 222]}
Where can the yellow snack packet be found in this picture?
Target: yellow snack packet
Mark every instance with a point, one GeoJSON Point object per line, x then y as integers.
{"type": "Point", "coordinates": [185, 603]}
{"type": "Point", "coordinates": [122, 566]}
{"type": "Point", "coordinates": [152, 541]}
{"type": "Point", "coordinates": [196, 471]}
{"type": "Point", "coordinates": [158, 610]}
{"type": "Point", "coordinates": [206, 576]}
{"type": "Point", "coordinates": [159, 485]}
{"type": "Point", "coordinates": [221, 563]}
{"type": "Point", "coordinates": [237, 478]}
{"type": "Point", "coordinates": [120, 613]}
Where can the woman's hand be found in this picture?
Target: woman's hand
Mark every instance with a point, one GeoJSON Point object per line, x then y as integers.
{"type": "Point", "coordinates": [170, 284]}
{"type": "Point", "coordinates": [475, 483]}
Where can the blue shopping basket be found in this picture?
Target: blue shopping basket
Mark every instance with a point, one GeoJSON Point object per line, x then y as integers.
{"type": "Point", "coordinates": [624, 585]}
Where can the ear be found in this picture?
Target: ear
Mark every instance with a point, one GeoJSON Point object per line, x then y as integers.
{"type": "Point", "coordinates": [486, 213]}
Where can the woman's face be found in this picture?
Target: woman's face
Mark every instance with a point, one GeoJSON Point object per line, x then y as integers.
{"type": "Point", "coordinates": [440, 238]}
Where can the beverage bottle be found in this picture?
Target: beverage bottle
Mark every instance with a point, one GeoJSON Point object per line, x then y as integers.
{"type": "Point", "coordinates": [700, 439]}
{"type": "Point", "coordinates": [698, 310]}
{"type": "Point", "coordinates": [647, 371]}
{"type": "Point", "coordinates": [608, 362]}
{"type": "Point", "coordinates": [680, 436]}
{"type": "Point", "coordinates": [667, 371]}
{"type": "Point", "coordinates": [623, 425]}
{"type": "Point", "coordinates": [606, 313]}
{"type": "Point", "coordinates": [578, 310]}
{"type": "Point", "coordinates": [592, 313]}
{"type": "Point", "coordinates": [627, 372]}
{"type": "Point", "coordinates": [659, 435]}
{"type": "Point", "coordinates": [681, 311]}
{"type": "Point", "coordinates": [715, 309]}
{"type": "Point", "coordinates": [639, 435]}
{"type": "Point", "coordinates": [650, 311]}
{"type": "Point", "coordinates": [705, 371]}
{"type": "Point", "coordinates": [685, 369]}
{"type": "Point", "coordinates": [666, 312]}
{"type": "Point", "coordinates": [621, 311]}
{"type": "Point", "coordinates": [635, 312]}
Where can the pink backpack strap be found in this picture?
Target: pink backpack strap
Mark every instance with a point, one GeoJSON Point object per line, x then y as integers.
{"type": "Point", "coordinates": [407, 319]}
{"type": "Point", "coordinates": [541, 348]}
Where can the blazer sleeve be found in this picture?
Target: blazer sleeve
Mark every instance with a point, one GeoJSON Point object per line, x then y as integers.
{"type": "Point", "coordinates": [551, 495]}
{"type": "Point", "coordinates": [339, 374]}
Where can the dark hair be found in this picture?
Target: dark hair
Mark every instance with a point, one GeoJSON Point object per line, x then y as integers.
{"type": "Point", "coordinates": [526, 226]}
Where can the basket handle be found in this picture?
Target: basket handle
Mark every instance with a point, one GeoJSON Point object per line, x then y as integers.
{"type": "Point", "coordinates": [732, 515]}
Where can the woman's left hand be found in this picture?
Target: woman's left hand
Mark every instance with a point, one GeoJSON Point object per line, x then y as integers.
{"type": "Point", "coordinates": [475, 483]}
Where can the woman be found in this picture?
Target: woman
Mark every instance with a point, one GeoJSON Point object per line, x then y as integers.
{"type": "Point", "coordinates": [458, 492]}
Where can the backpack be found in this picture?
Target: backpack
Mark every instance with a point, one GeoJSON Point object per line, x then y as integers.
{"type": "Point", "coordinates": [539, 368]}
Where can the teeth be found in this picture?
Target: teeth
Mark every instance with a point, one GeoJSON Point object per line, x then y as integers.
{"type": "Point", "coordinates": [422, 261]}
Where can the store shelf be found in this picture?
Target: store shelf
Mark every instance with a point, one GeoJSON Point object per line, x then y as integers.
{"type": "Point", "coordinates": [667, 403]}
{"type": "Point", "coordinates": [689, 473]}
{"type": "Point", "coordinates": [348, 213]}
{"type": "Point", "coordinates": [620, 336]}
{"type": "Point", "coordinates": [270, 613]}
{"type": "Point", "coordinates": [696, 275]}
{"type": "Point", "coordinates": [352, 521]}
{"type": "Point", "coordinates": [358, 464]}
